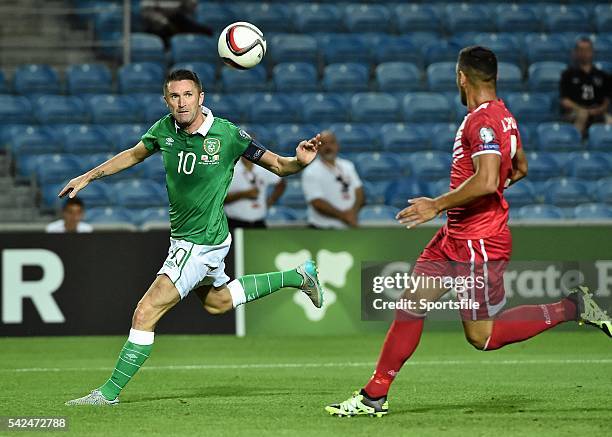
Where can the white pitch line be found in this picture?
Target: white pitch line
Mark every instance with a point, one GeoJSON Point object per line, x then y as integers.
{"type": "Point", "coordinates": [310, 365]}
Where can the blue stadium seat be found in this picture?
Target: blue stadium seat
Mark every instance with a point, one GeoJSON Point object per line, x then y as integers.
{"type": "Point", "coordinates": [193, 48]}
{"type": "Point", "coordinates": [108, 108]}
{"type": "Point", "coordinates": [89, 79]}
{"type": "Point", "coordinates": [437, 188]}
{"type": "Point", "coordinates": [293, 48]}
{"type": "Point", "coordinates": [49, 198]}
{"type": "Point", "coordinates": [375, 191]}
{"type": "Point", "coordinates": [545, 76]}
{"type": "Point", "coordinates": [442, 136]}
{"type": "Point", "coordinates": [295, 77]}
{"type": "Point", "coordinates": [600, 137]}
{"type": "Point", "coordinates": [154, 214]}
{"type": "Point", "coordinates": [224, 106]}
{"type": "Point", "coordinates": [354, 137]}
{"type": "Point", "coordinates": [505, 45]}
{"type": "Point", "coordinates": [206, 72]}
{"type": "Point", "coordinates": [566, 192]}
{"type": "Point", "coordinates": [366, 17]}
{"type": "Point", "coordinates": [558, 137]}
{"type": "Point", "coordinates": [343, 48]}
{"type": "Point", "coordinates": [93, 160]}
{"type": "Point", "coordinates": [394, 48]}
{"type": "Point", "coordinates": [602, 44]}
{"type": "Point", "coordinates": [416, 18]}
{"type": "Point", "coordinates": [398, 76]}
{"type": "Point", "coordinates": [401, 190]}
{"type": "Point", "coordinates": [288, 136]}
{"type": "Point", "coordinates": [546, 47]}
{"type": "Point", "coordinates": [108, 215]}
{"type": "Point", "coordinates": [542, 166]}
{"type": "Point", "coordinates": [403, 138]}
{"type": "Point", "coordinates": [138, 193]}
{"type": "Point", "coordinates": [602, 15]}
{"type": "Point", "coordinates": [267, 17]}
{"type": "Point", "coordinates": [124, 136]}
{"type": "Point", "coordinates": [520, 194]}
{"type": "Point", "coordinates": [83, 138]}
{"type": "Point", "coordinates": [108, 18]}
{"type": "Point", "coordinates": [518, 18]}
{"type": "Point", "coordinates": [509, 77]}
{"type": "Point", "coordinates": [293, 195]}
{"type": "Point", "coordinates": [57, 168]}
{"type": "Point", "coordinates": [262, 133]}
{"type": "Point", "coordinates": [427, 107]}
{"type": "Point", "coordinates": [144, 77]}
{"type": "Point", "coordinates": [440, 51]}
{"type": "Point", "coordinates": [540, 212]}
{"type": "Point", "coordinates": [593, 211]}
{"type": "Point", "coordinates": [33, 140]}
{"type": "Point", "coordinates": [373, 214]}
{"type": "Point", "coordinates": [60, 109]}
{"type": "Point", "coordinates": [346, 77]}
{"type": "Point", "coordinates": [530, 107]}
{"type": "Point", "coordinates": [36, 79]}
{"type": "Point", "coordinates": [146, 47]}
{"type": "Point", "coordinates": [317, 17]}
{"type": "Point", "coordinates": [589, 165]}
{"type": "Point", "coordinates": [461, 16]}
{"type": "Point", "coordinates": [374, 108]}
{"type": "Point", "coordinates": [566, 18]}
{"type": "Point", "coordinates": [603, 190]}
{"type": "Point", "coordinates": [3, 86]}
{"type": "Point", "coordinates": [279, 215]}
{"type": "Point", "coordinates": [153, 168]}
{"type": "Point", "coordinates": [215, 15]}
{"type": "Point", "coordinates": [153, 105]}
{"type": "Point", "coordinates": [378, 166]}
{"type": "Point", "coordinates": [236, 81]}
{"type": "Point", "coordinates": [323, 108]}
{"type": "Point", "coordinates": [15, 109]}
{"type": "Point", "coordinates": [95, 195]}
{"type": "Point", "coordinates": [271, 108]}
{"type": "Point", "coordinates": [429, 166]}
{"type": "Point", "coordinates": [441, 76]}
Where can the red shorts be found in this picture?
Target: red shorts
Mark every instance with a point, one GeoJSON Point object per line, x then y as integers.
{"type": "Point", "coordinates": [484, 260]}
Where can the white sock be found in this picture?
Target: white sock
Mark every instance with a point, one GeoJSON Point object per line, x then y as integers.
{"type": "Point", "coordinates": [142, 338]}
{"type": "Point", "coordinates": [237, 292]}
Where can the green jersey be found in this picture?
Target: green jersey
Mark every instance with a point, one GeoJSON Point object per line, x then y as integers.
{"type": "Point", "coordinates": [199, 169]}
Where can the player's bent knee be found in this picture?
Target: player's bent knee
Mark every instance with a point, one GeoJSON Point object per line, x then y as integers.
{"type": "Point", "coordinates": [477, 340]}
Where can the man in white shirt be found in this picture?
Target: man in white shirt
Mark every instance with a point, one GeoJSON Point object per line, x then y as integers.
{"type": "Point", "coordinates": [72, 214]}
{"type": "Point", "coordinates": [332, 188]}
{"type": "Point", "coordinates": [246, 204]}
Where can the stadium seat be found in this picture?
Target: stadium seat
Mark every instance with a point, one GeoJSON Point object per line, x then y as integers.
{"type": "Point", "coordinates": [400, 190]}
{"type": "Point", "coordinates": [416, 18]}
{"type": "Point", "coordinates": [294, 195]}
{"type": "Point", "coordinates": [426, 107]}
{"type": "Point", "coordinates": [374, 214]}
{"type": "Point", "coordinates": [403, 138]}
{"type": "Point", "coordinates": [262, 133]}
{"type": "Point", "coordinates": [108, 215]}
{"type": "Point", "coordinates": [15, 109]}
{"type": "Point", "coordinates": [540, 212]}
{"type": "Point", "coordinates": [593, 211]}
{"type": "Point", "coordinates": [546, 47]}
{"type": "Point", "coordinates": [108, 108]}
{"type": "Point", "coordinates": [138, 193]}
{"type": "Point", "coordinates": [394, 48]}
{"type": "Point", "coordinates": [461, 16]}
{"type": "Point", "coordinates": [49, 199]}
{"type": "Point", "coordinates": [375, 191]}
{"type": "Point", "coordinates": [521, 194]}
{"type": "Point", "coordinates": [442, 136]}
{"type": "Point", "coordinates": [566, 18]}
{"type": "Point", "coordinates": [295, 77]}
{"type": "Point", "coordinates": [279, 215]}
{"type": "Point", "coordinates": [215, 15]}
{"type": "Point", "coordinates": [224, 106]}
{"type": "Point", "coordinates": [317, 17]}
{"type": "Point", "coordinates": [545, 76]}
{"type": "Point", "coordinates": [95, 195]}
{"type": "Point", "coordinates": [354, 137]}
{"type": "Point", "coordinates": [603, 17]}
{"type": "Point", "coordinates": [398, 76]}
{"type": "Point", "coordinates": [505, 45]}
{"type": "Point", "coordinates": [83, 138]}
{"type": "Point", "coordinates": [378, 166]}
{"type": "Point", "coordinates": [206, 72]}
{"type": "Point", "coordinates": [146, 47]}
{"type": "Point", "coordinates": [33, 140]}
{"type": "Point", "coordinates": [556, 137]}
{"type": "Point", "coordinates": [509, 77]}
{"type": "Point", "coordinates": [442, 76]}
{"type": "Point", "coordinates": [60, 109]}
{"type": "Point", "coordinates": [92, 160]}
{"type": "Point", "coordinates": [153, 105]}
{"type": "Point", "coordinates": [57, 168]}
{"type": "Point", "coordinates": [347, 77]}
{"type": "Point", "coordinates": [566, 192]}
{"type": "Point", "coordinates": [288, 136]}
{"type": "Point", "coordinates": [429, 166]}
{"type": "Point", "coordinates": [366, 17]}
{"type": "Point", "coordinates": [124, 136]}
{"type": "Point", "coordinates": [154, 214]}
{"type": "Point", "coordinates": [89, 79]}
{"type": "Point", "coordinates": [236, 81]}
{"type": "Point", "coordinates": [518, 18]}
{"type": "Point", "coordinates": [374, 108]}
{"type": "Point", "coordinates": [440, 51]}
{"type": "Point", "coordinates": [343, 48]}
{"type": "Point", "coordinates": [193, 48]}
{"type": "Point", "coordinates": [293, 48]}
{"type": "Point", "coordinates": [108, 18]}
{"type": "Point", "coordinates": [439, 187]}
{"type": "Point", "coordinates": [153, 168]}
{"type": "Point", "coordinates": [267, 17]}
{"type": "Point", "coordinates": [542, 166]}
{"type": "Point", "coordinates": [530, 107]}
{"type": "Point", "coordinates": [36, 79]}
{"type": "Point", "coordinates": [3, 86]}
{"type": "Point", "coordinates": [322, 108]}
{"type": "Point", "coordinates": [271, 108]}
{"type": "Point", "coordinates": [603, 190]}
{"type": "Point", "coordinates": [145, 77]}
{"type": "Point", "coordinates": [600, 137]}
{"type": "Point", "coordinates": [589, 165]}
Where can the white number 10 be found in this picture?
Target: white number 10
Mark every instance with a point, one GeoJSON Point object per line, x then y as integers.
{"type": "Point", "coordinates": [184, 163]}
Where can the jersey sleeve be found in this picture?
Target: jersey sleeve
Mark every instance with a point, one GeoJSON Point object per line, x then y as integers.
{"type": "Point", "coordinates": [149, 139]}
{"type": "Point", "coordinates": [483, 136]}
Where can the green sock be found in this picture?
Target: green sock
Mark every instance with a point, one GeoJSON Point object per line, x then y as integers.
{"type": "Point", "coordinates": [131, 358]}
{"type": "Point", "coordinates": [257, 286]}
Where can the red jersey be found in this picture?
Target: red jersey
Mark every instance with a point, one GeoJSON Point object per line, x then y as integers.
{"type": "Point", "coordinates": [490, 128]}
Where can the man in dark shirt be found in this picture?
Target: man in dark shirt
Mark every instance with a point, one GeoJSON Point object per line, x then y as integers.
{"type": "Point", "coordinates": [584, 89]}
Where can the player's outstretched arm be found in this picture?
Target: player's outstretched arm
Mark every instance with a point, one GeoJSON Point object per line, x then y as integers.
{"type": "Point", "coordinates": [305, 153]}
{"type": "Point", "coordinates": [117, 163]}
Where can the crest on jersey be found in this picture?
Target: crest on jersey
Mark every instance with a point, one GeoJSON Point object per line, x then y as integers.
{"type": "Point", "coordinates": [212, 146]}
{"type": "Point", "coordinates": [487, 135]}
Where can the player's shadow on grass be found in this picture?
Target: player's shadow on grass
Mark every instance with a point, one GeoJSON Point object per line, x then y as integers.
{"type": "Point", "coordinates": [493, 405]}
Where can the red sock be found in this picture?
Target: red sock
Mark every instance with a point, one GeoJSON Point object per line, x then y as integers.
{"type": "Point", "coordinates": [520, 323]}
{"type": "Point", "coordinates": [401, 341]}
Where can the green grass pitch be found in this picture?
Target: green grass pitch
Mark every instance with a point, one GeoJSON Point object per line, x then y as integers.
{"type": "Point", "coordinates": [559, 383]}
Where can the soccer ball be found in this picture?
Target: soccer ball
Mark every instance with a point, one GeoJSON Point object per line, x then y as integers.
{"type": "Point", "coordinates": [241, 45]}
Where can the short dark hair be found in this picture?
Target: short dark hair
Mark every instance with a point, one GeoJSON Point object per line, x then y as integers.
{"type": "Point", "coordinates": [183, 75]}
{"type": "Point", "coordinates": [478, 63]}
{"type": "Point", "coordinates": [74, 201]}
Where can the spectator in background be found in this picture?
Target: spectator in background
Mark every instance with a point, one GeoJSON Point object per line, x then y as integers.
{"type": "Point", "coordinates": [584, 89]}
{"type": "Point", "coordinates": [246, 205]}
{"type": "Point", "coordinates": [72, 214]}
{"type": "Point", "coordinates": [332, 188]}
{"type": "Point", "coordinates": [167, 18]}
